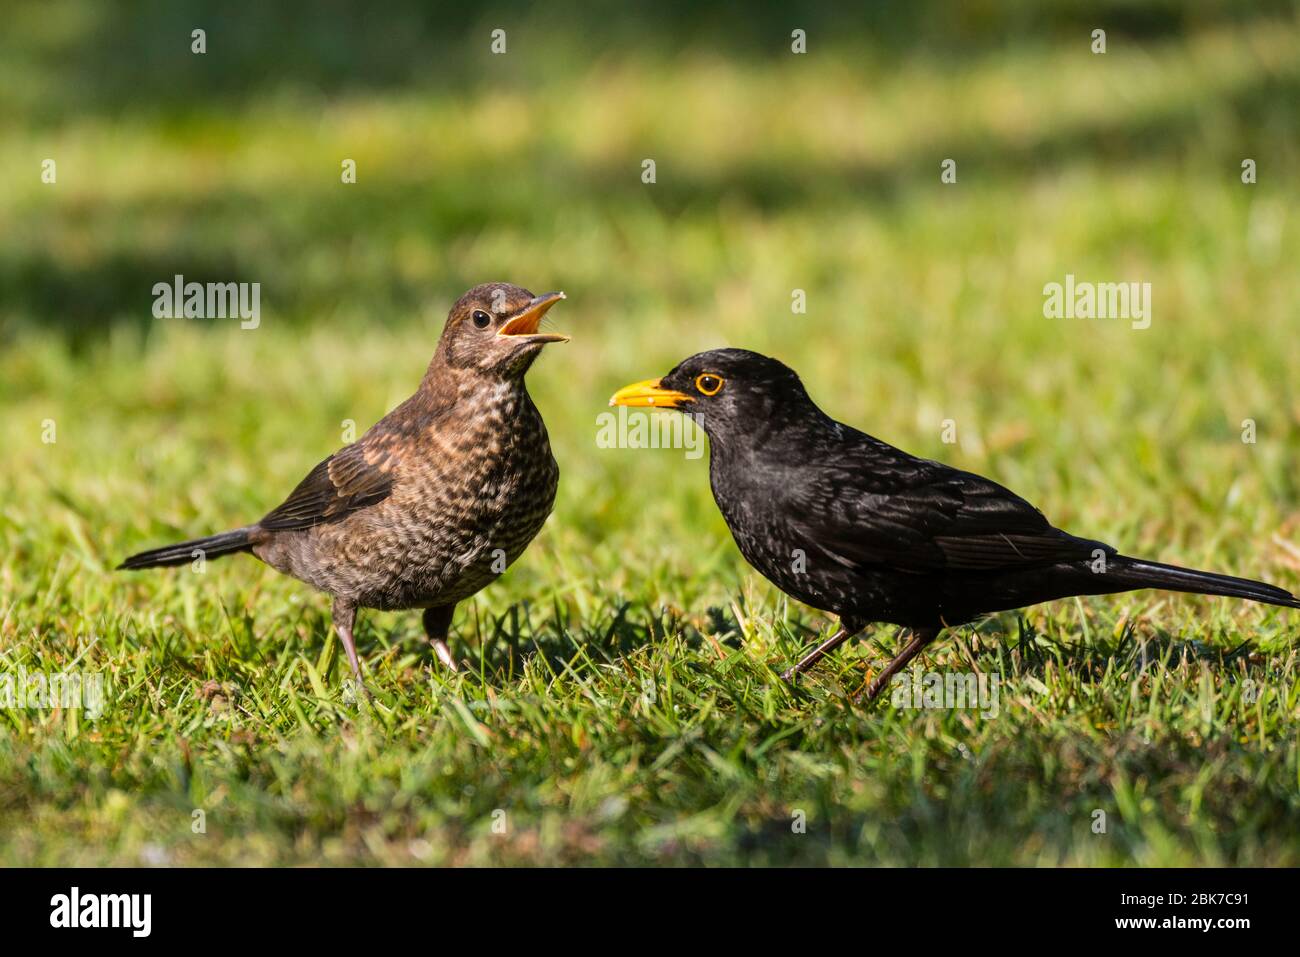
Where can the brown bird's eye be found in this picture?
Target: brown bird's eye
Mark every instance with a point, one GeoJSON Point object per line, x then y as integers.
{"type": "Point", "coordinates": [708, 384]}
{"type": "Point", "coordinates": [481, 319]}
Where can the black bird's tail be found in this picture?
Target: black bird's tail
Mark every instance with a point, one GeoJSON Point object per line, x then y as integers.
{"type": "Point", "coordinates": [1143, 574]}
{"type": "Point", "coordinates": [182, 553]}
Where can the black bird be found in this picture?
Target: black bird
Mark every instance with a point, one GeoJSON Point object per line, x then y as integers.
{"type": "Point", "coordinates": [437, 498]}
{"type": "Point", "coordinates": [851, 525]}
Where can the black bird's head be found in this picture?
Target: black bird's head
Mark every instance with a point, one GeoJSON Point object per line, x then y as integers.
{"type": "Point", "coordinates": [729, 390]}
{"type": "Point", "coordinates": [492, 330]}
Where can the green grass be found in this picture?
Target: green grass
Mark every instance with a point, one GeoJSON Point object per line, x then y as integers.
{"type": "Point", "coordinates": [624, 705]}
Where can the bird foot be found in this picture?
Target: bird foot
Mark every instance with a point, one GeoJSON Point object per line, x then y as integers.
{"type": "Point", "coordinates": [807, 661]}
{"type": "Point", "coordinates": [355, 690]}
{"type": "Point", "coordinates": [444, 655]}
{"type": "Point", "coordinates": [866, 692]}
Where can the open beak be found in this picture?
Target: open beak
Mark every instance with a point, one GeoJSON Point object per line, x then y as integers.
{"type": "Point", "coordinates": [523, 325]}
{"type": "Point", "coordinates": [649, 393]}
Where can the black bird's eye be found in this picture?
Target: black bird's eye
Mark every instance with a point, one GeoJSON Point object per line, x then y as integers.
{"type": "Point", "coordinates": [708, 384]}
{"type": "Point", "coordinates": [481, 319]}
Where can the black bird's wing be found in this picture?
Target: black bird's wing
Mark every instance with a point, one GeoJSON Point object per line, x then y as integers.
{"type": "Point", "coordinates": [353, 478]}
{"type": "Point", "coordinates": [883, 507]}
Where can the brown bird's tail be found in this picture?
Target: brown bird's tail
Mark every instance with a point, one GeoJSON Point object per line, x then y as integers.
{"type": "Point", "coordinates": [1144, 574]}
{"type": "Point", "coordinates": [182, 553]}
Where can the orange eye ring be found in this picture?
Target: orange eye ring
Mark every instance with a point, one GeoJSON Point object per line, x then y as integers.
{"type": "Point", "coordinates": [709, 384]}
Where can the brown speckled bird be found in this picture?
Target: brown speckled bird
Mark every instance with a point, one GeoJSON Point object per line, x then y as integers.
{"type": "Point", "coordinates": [437, 498]}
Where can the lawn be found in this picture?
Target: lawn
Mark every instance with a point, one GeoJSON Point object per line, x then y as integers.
{"type": "Point", "coordinates": [622, 703]}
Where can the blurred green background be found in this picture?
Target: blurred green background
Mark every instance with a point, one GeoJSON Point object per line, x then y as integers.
{"type": "Point", "coordinates": [775, 172]}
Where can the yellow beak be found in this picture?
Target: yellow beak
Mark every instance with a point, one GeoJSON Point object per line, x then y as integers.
{"type": "Point", "coordinates": [649, 393]}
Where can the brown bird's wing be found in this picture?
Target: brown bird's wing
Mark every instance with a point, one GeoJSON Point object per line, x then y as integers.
{"type": "Point", "coordinates": [915, 515]}
{"type": "Point", "coordinates": [334, 489]}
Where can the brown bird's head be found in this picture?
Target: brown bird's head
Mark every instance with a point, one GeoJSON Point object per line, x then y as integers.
{"type": "Point", "coordinates": [492, 330]}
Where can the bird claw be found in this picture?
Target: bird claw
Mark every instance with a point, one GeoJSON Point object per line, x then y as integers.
{"type": "Point", "coordinates": [354, 690]}
{"type": "Point", "coordinates": [444, 655]}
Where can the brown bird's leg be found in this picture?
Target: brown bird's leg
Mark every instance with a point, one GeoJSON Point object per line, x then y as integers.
{"type": "Point", "coordinates": [920, 638]}
{"type": "Point", "coordinates": [345, 615]}
{"type": "Point", "coordinates": [437, 623]}
{"type": "Point", "coordinates": [847, 631]}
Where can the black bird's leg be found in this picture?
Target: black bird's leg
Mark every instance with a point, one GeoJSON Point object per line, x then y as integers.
{"type": "Point", "coordinates": [847, 631]}
{"type": "Point", "coordinates": [437, 623]}
{"type": "Point", "coordinates": [345, 615]}
{"type": "Point", "coordinates": [920, 638]}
